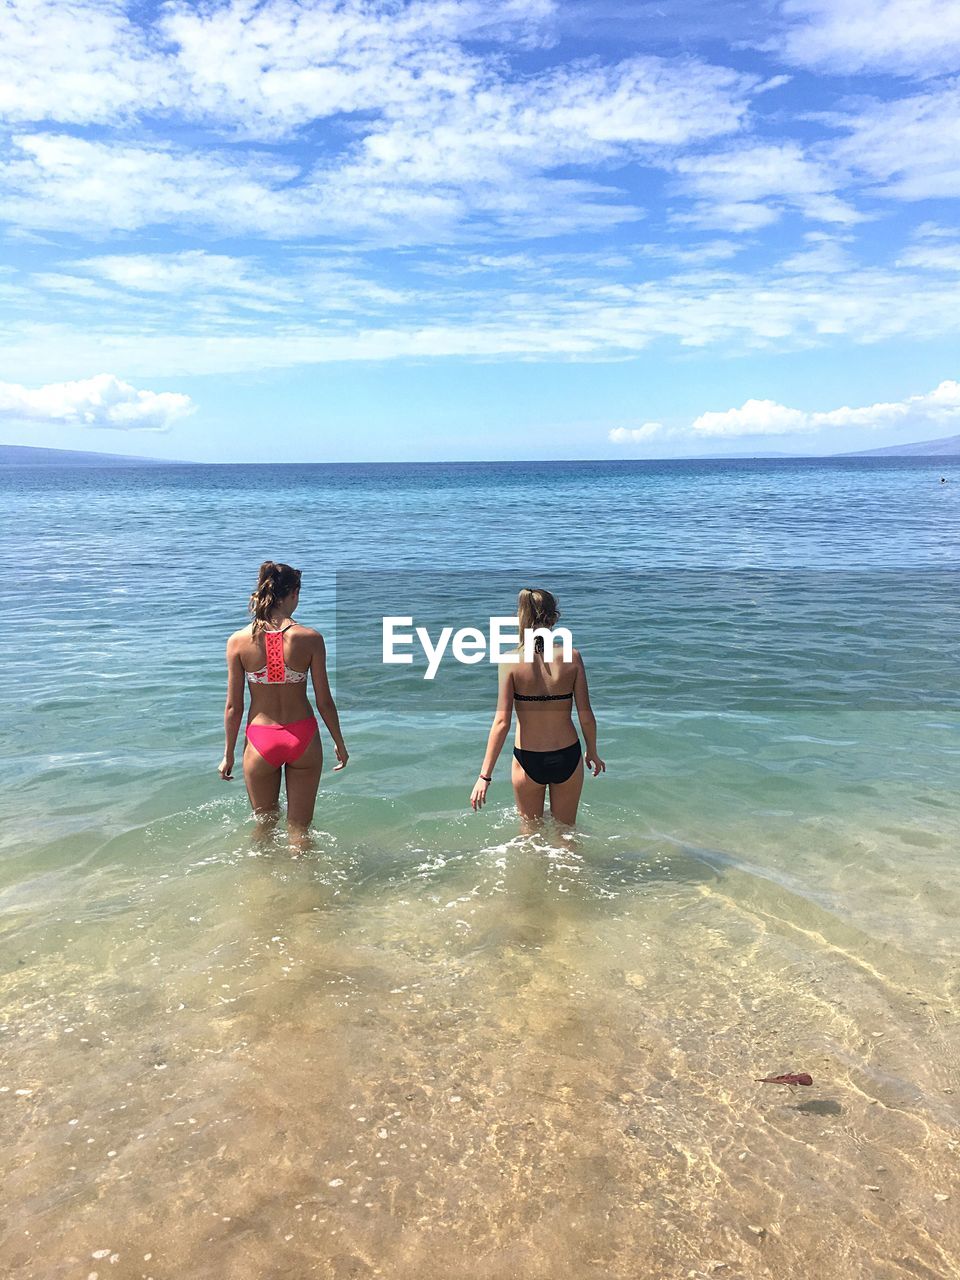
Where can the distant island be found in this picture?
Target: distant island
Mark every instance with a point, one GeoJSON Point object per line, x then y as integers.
{"type": "Point", "coordinates": [946, 447]}
{"type": "Point", "coordinates": [25, 455]}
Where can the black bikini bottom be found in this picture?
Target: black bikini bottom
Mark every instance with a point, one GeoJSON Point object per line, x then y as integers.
{"type": "Point", "coordinates": [546, 767]}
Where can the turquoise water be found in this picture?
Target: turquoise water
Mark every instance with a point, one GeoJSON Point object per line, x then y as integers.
{"type": "Point", "coordinates": [765, 880]}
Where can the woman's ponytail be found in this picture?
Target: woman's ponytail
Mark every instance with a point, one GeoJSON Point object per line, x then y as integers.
{"type": "Point", "coordinates": [536, 608]}
{"type": "Point", "coordinates": [274, 583]}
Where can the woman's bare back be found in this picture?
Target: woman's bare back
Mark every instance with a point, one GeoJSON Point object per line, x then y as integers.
{"type": "Point", "coordinates": [548, 724]}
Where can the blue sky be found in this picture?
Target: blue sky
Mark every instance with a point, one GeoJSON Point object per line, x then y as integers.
{"type": "Point", "coordinates": [441, 230]}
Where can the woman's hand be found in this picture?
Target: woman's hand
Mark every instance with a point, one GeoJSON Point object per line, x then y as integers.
{"type": "Point", "coordinates": [225, 767]}
{"type": "Point", "coordinates": [479, 794]}
{"type": "Point", "coordinates": [342, 754]}
{"type": "Point", "coordinates": [593, 762]}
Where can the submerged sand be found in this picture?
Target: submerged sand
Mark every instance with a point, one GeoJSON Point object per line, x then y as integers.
{"type": "Point", "coordinates": [537, 1061]}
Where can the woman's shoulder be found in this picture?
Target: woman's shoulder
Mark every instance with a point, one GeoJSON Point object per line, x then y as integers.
{"type": "Point", "coordinates": [561, 662]}
{"type": "Point", "coordinates": [554, 660]}
{"type": "Point", "coordinates": [305, 632]}
{"type": "Point", "coordinates": [307, 639]}
{"type": "Point", "coordinates": [244, 633]}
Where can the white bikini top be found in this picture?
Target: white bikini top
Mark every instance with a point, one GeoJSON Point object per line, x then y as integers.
{"type": "Point", "coordinates": [275, 671]}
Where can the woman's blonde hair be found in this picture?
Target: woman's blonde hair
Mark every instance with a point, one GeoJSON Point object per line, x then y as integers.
{"type": "Point", "coordinates": [274, 583]}
{"type": "Point", "coordinates": [536, 608]}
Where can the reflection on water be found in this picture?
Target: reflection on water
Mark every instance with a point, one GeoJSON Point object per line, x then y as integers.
{"type": "Point", "coordinates": [530, 1059]}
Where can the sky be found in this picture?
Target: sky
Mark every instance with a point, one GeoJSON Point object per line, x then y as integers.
{"type": "Point", "coordinates": [453, 229]}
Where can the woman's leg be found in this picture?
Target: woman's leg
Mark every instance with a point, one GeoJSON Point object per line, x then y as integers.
{"type": "Point", "coordinates": [263, 788]}
{"type": "Point", "coordinates": [530, 796]}
{"type": "Point", "coordinates": [565, 796]}
{"type": "Point", "coordinates": [303, 778]}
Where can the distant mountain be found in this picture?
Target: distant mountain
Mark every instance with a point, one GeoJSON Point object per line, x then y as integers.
{"type": "Point", "coordinates": [947, 447]}
{"type": "Point", "coordinates": [25, 455]}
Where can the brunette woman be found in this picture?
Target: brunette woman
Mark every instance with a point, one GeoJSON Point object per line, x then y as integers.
{"type": "Point", "coordinates": [274, 656]}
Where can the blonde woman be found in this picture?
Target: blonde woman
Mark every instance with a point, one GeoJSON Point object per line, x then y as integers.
{"type": "Point", "coordinates": [274, 655]}
{"type": "Point", "coordinates": [547, 753]}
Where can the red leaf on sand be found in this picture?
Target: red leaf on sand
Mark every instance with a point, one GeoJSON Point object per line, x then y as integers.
{"type": "Point", "coordinates": [792, 1077]}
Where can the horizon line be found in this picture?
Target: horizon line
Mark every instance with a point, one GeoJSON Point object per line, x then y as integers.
{"type": "Point", "coordinates": [771, 456]}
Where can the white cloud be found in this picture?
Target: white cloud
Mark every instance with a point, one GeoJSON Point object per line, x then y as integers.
{"type": "Point", "coordinates": [932, 248]}
{"type": "Point", "coordinates": [905, 37]}
{"type": "Point", "coordinates": [268, 69]}
{"type": "Point", "coordinates": [426, 191]}
{"type": "Point", "coordinates": [76, 286]}
{"type": "Point", "coordinates": [824, 255]}
{"type": "Point", "coordinates": [534, 313]}
{"type": "Point", "coordinates": [634, 435]}
{"type": "Point", "coordinates": [219, 288]}
{"type": "Point", "coordinates": [909, 147]}
{"type": "Point", "coordinates": [753, 418]}
{"type": "Point", "coordinates": [943, 257]}
{"type": "Point", "coordinates": [767, 417]}
{"type": "Point", "coordinates": [748, 186]}
{"type": "Point", "coordinates": [693, 254]}
{"type": "Point", "coordinates": [430, 129]}
{"type": "Point", "coordinates": [388, 124]}
{"type": "Point", "coordinates": [57, 181]}
{"type": "Point", "coordinates": [101, 401]}
{"type": "Point", "coordinates": [525, 23]}
{"type": "Point", "coordinates": [190, 271]}
{"type": "Point", "coordinates": [78, 63]}
{"type": "Point", "coordinates": [729, 215]}
{"type": "Point", "coordinates": [577, 114]}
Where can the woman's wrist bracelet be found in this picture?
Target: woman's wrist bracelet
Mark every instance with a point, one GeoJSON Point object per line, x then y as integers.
{"type": "Point", "coordinates": [485, 778]}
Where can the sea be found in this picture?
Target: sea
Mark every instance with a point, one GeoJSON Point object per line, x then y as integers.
{"type": "Point", "coordinates": [434, 1045]}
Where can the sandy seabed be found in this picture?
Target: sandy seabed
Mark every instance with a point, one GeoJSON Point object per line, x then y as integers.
{"type": "Point", "coordinates": [534, 1062]}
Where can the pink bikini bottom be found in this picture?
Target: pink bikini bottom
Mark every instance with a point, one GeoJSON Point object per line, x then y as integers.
{"type": "Point", "coordinates": [281, 744]}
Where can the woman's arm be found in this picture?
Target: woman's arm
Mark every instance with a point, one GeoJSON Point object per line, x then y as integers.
{"type": "Point", "coordinates": [325, 703]}
{"type": "Point", "coordinates": [498, 734]}
{"type": "Point", "coordinates": [588, 721]}
{"type": "Point", "coordinates": [233, 711]}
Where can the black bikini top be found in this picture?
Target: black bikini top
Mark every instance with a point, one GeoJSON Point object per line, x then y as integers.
{"type": "Point", "coordinates": [542, 697]}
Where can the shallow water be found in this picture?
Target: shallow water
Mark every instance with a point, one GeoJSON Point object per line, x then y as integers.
{"type": "Point", "coordinates": [433, 1047]}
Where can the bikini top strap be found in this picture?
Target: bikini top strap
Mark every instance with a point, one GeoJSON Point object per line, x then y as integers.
{"type": "Point", "coordinates": [276, 668]}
